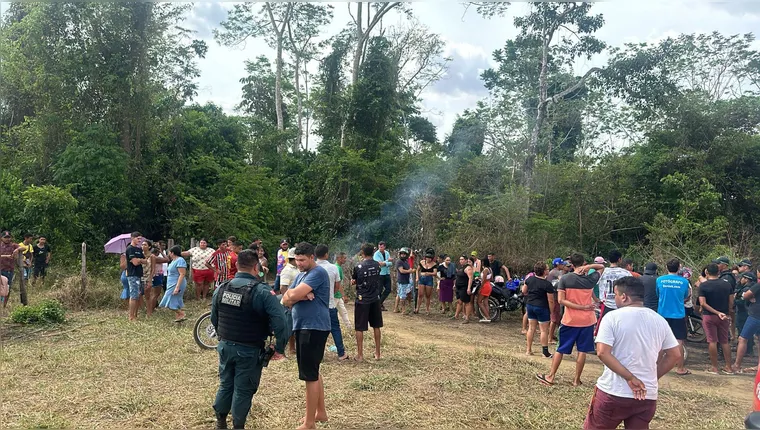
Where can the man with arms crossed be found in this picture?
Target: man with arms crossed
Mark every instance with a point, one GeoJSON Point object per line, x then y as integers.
{"type": "Point", "coordinates": [629, 343]}
{"type": "Point", "coordinates": [309, 296]}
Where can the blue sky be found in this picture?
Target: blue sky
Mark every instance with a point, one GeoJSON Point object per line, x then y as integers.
{"type": "Point", "coordinates": [471, 40]}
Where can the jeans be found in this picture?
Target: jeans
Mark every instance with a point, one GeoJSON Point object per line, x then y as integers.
{"type": "Point", "coordinates": [336, 333]}
{"type": "Point", "coordinates": [386, 280]}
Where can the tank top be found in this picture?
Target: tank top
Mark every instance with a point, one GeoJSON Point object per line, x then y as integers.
{"type": "Point", "coordinates": [462, 278]}
{"type": "Point", "coordinates": [426, 271]}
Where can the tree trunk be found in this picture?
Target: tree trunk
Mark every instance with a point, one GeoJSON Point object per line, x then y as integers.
{"type": "Point", "coordinates": [299, 106]}
{"type": "Point", "coordinates": [359, 45]}
{"type": "Point", "coordinates": [278, 86]}
{"type": "Point", "coordinates": [530, 160]}
{"type": "Point", "coordinates": [306, 91]}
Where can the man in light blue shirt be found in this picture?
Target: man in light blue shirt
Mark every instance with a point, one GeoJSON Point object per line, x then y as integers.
{"type": "Point", "coordinates": [386, 262]}
{"type": "Point", "coordinates": [673, 291]}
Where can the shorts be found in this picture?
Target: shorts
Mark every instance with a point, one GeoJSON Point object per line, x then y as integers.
{"type": "Point", "coordinates": [8, 274]}
{"type": "Point", "coordinates": [486, 289]}
{"type": "Point", "coordinates": [462, 295]}
{"type": "Point", "coordinates": [203, 275]}
{"type": "Point", "coordinates": [310, 350]}
{"type": "Point", "coordinates": [367, 314]}
{"type": "Point", "coordinates": [426, 281]}
{"type": "Point", "coordinates": [608, 411]}
{"type": "Point", "coordinates": [750, 330]}
{"type": "Point", "coordinates": [136, 287]}
{"type": "Point", "coordinates": [716, 329]}
{"type": "Point", "coordinates": [403, 290]}
{"type": "Point", "coordinates": [678, 327]}
{"type": "Point", "coordinates": [158, 281]}
{"type": "Point", "coordinates": [539, 314]}
{"type": "Point", "coordinates": [39, 271]}
{"type": "Point", "coordinates": [580, 337]}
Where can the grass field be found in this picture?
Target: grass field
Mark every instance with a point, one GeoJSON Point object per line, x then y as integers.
{"type": "Point", "coordinates": [98, 370]}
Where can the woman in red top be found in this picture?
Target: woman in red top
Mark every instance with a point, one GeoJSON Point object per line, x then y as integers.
{"type": "Point", "coordinates": [484, 294]}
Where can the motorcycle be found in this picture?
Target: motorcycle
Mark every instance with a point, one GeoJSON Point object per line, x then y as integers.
{"type": "Point", "coordinates": [504, 298]}
{"type": "Point", "coordinates": [204, 332]}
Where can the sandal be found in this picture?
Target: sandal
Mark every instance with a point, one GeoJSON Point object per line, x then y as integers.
{"type": "Point", "coordinates": [344, 358]}
{"type": "Point", "coordinates": [687, 372]}
{"type": "Point", "coordinates": [542, 379]}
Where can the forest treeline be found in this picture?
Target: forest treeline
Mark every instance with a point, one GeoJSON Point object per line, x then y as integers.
{"type": "Point", "coordinates": [655, 153]}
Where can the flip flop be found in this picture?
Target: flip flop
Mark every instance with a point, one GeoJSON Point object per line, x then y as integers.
{"type": "Point", "coordinates": [179, 320]}
{"type": "Point", "coordinates": [726, 372]}
{"type": "Point", "coordinates": [542, 379]}
{"type": "Point", "coordinates": [344, 358]}
{"type": "Point", "coordinates": [711, 372]}
{"type": "Point", "coordinates": [688, 372]}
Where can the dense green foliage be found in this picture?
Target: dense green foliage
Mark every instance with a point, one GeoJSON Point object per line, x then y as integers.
{"type": "Point", "coordinates": [656, 153]}
{"type": "Point", "coordinates": [44, 312]}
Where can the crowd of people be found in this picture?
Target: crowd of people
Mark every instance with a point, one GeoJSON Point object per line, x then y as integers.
{"type": "Point", "coordinates": [31, 259]}
{"type": "Point", "coordinates": [636, 323]}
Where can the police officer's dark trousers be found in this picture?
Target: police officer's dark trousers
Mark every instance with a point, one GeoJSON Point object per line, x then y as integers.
{"type": "Point", "coordinates": [239, 376]}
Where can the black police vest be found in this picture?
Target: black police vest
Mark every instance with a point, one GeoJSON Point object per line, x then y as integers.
{"type": "Point", "coordinates": [237, 321]}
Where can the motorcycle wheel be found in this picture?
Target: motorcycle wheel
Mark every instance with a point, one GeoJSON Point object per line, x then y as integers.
{"type": "Point", "coordinates": [493, 309]}
{"type": "Point", "coordinates": [204, 332]}
{"type": "Point", "coordinates": [696, 333]}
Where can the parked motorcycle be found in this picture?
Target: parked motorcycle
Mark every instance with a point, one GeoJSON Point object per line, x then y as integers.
{"type": "Point", "coordinates": [504, 298]}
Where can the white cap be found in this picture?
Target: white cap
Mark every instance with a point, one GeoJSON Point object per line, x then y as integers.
{"type": "Point", "coordinates": [291, 253]}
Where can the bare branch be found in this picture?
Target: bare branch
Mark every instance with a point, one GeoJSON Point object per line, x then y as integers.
{"type": "Point", "coordinates": [557, 97]}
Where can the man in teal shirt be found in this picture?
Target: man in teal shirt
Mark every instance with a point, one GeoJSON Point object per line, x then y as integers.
{"type": "Point", "coordinates": [386, 262]}
{"type": "Point", "coordinates": [672, 290]}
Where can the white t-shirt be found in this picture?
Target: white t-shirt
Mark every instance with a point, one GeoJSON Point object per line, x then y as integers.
{"type": "Point", "coordinates": [200, 256]}
{"type": "Point", "coordinates": [606, 285]}
{"type": "Point", "coordinates": [637, 335]}
{"type": "Point", "coordinates": [332, 272]}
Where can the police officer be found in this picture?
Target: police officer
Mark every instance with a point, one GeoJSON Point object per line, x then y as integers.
{"type": "Point", "coordinates": [725, 271]}
{"type": "Point", "coordinates": [244, 312]}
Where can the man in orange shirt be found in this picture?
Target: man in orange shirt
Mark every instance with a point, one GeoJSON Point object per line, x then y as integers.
{"type": "Point", "coordinates": [232, 259]}
{"type": "Point", "coordinates": [628, 265]}
{"type": "Point", "coordinates": [576, 294]}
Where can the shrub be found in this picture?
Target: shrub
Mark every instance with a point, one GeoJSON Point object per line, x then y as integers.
{"type": "Point", "coordinates": [45, 312]}
{"type": "Point", "coordinates": [100, 293]}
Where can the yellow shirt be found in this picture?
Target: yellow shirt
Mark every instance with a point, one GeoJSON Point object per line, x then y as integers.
{"type": "Point", "coordinates": [26, 250]}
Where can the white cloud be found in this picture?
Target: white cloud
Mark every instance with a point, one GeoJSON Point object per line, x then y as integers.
{"type": "Point", "coordinates": [472, 39]}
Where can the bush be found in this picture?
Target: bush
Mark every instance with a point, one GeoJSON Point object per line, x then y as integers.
{"type": "Point", "coordinates": [45, 312]}
{"type": "Point", "coordinates": [100, 293]}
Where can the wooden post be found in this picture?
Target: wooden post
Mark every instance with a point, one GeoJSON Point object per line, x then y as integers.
{"type": "Point", "coordinates": [21, 281]}
{"type": "Point", "coordinates": [84, 268]}
{"type": "Point", "coordinates": [170, 243]}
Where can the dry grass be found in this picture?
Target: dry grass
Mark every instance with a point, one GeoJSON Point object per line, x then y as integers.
{"type": "Point", "coordinates": [105, 372]}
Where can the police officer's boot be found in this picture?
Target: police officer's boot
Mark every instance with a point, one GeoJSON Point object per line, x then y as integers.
{"type": "Point", "coordinates": [238, 425]}
{"type": "Point", "coordinates": [221, 421]}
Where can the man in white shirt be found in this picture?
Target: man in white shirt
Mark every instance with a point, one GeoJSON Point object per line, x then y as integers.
{"type": "Point", "coordinates": [606, 283]}
{"type": "Point", "coordinates": [629, 343]}
{"type": "Point", "coordinates": [287, 277]}
{"type": "Point", "coordinates": [322, 253]}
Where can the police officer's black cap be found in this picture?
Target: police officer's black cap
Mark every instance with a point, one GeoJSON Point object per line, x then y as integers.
{"type": "Point", "coordinates": [745, 262]}
{"type": "Point", "coordinates": [749, 275]}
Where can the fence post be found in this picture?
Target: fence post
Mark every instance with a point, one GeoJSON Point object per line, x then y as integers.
{"type": "Point", "coordinates": [84, 268]}
{"type": "Point", "coordinates": [21, 281]}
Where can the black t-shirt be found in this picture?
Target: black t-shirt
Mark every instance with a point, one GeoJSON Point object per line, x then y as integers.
{"type": "Point", "coordinates": [443, 272]}
{"type": "Point", "coordinates": [716, 293]}
{"type": "Point", "coordinates": [368, 285]}
{"type": "Point", "coordinates": [753, 309]}
{"type": "Point", "coordinates": [495, 267]}
{"type": "Point", "coordinates": [537, 290]}
{"type": "Point", "coordinates": [134, 252]}
{"type": "Point", "coordinates": [40, 254]}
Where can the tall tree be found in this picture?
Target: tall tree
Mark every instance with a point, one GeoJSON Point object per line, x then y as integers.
{"type": "Point", "coordinates": [305, 26]}
{"type": "Point", "coordinates": [361, 33]}
{"type": "Point", "coordinates": [552, 36]}
{"type": "Point", "coordinates": [270, 20]}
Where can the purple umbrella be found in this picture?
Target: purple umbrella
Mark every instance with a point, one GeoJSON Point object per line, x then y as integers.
{"type": "Point", "coordinates": [118, 244]}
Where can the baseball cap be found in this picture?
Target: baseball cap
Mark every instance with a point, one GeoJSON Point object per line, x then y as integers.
{"type": "Point", "coordinates": [291, 253]}
{"type": "Point", "coordinates": [6, 234]}
{"type": "Point", "coordinates": [557, 261]}
{"type": "Point", "coordinates": [745, 262]}
{"type": "Point", "coordinates": [285, 241]}
{"type": "Point", "coordinates": [749, 275]}
{"type": "Point", "coordinates": [650, 268]}
{"type": "Point", "coordinates": [722, 260]}
{"type": "Point", "coordinates": [600, 260]}
{"type": "Point", "coordinates": [474, 253]}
